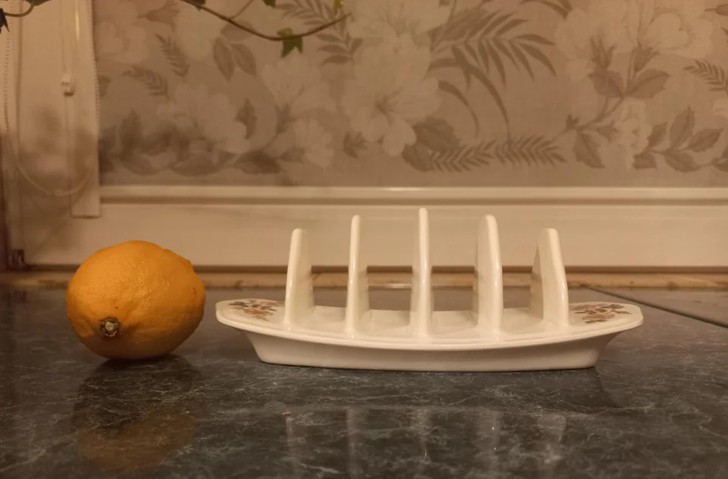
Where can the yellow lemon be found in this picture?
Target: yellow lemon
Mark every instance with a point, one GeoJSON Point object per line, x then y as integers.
{"type": "Point", "coordinates": [135, 300]}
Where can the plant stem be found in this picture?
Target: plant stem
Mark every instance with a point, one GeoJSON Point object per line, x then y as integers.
{"type": "Point", "coordinates": [23, 14]}
{"type": "Point", "coordinates": [272, 38]}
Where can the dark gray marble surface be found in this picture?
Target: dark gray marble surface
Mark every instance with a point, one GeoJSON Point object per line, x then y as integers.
{"type": "Point", "coordinates": [708, 305]}
{"type": "Point", "coordinates": [654, 407]}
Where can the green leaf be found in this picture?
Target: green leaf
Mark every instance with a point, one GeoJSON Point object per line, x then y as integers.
{"type": "Point", "coordinates": [419, 156]}
{"type": "Point", "coordinates": [658, 133]}
{"type": "Point", "coordinates": [586, 151]}
{"type": "Point", "coordinates": [704, 140]}
{"type": "Point", "coordinates": [682, 128]}
{"type": "Point", "coordinates": [436, 134]}
{"type": "Point", "coordinates": [290, 44]}
{"type": "Point", "coordinates": [647, 84]}
{"type": "Point", "coordinates": [644, 160]}
{"type": "Point", "coordinates": [338, 5]}
{"type": "Point", "coordinates": [680, 161]}
{"type": "Point", "coordinates": [3, 21]}
{"type": "Point", "coordinates": [607, 83]}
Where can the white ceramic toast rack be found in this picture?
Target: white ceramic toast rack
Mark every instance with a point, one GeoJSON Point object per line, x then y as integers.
{"type": "Point", "coordinates": [549, 334]}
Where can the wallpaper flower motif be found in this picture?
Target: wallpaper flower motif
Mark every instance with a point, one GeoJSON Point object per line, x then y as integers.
{"type": "Point", "coordinates": [118, 36]}
{"type": "Point", "coordinates": [384, 19]}
{"type": "Point", "coordinates": [312, 142]}
{"type": "Point", "coordinates": [599, 24]}
{"type": "Point", "coordinates": [207, 122]}
{"type": "Point", "coordinates": [391, 92]}
{"type": "Point", "coordinates": [670, 26]}
{"type": "Point", "coordinates": [631, 128]}
{"type": "Point", "coordinates": [296, 86]}
{"type": "Point", "coordinates": [417, 92]}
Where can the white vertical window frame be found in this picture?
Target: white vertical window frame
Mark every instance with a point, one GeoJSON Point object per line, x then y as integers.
{"type": "Point", "coordinates": [81, 92]}
{"type": "Point", "coordinates": [9, 133]}
{"type": "Point", "coordinates": [50, 120]}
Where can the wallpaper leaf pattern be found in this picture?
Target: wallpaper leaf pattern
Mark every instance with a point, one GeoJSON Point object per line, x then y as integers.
{"type": "Point", "coordinates": [417, 93]}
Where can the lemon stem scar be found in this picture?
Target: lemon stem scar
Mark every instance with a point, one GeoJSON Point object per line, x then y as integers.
{"type": "Point", "coordinates": [109, 327]}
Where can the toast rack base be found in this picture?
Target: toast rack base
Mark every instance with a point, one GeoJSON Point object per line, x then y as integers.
{"type": "Point", "coordinates": [580, 354]}
{"type": "Point", "coordinates": [388, 343]}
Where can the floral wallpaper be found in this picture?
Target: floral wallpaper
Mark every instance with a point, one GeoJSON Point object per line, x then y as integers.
{"type": "Point", "coordinates": [416, 93]}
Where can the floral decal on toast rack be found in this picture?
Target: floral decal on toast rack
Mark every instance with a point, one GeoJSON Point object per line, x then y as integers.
{"type": "Point", "coordinates": [261, 309]}
{"type": "Point", "coordinates": [598, 312]}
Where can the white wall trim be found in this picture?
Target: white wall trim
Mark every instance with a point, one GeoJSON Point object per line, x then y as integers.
{"type": "Point", "coordinates": [237, 226]}
{"type": "Point", "coordinates": [416, 196]}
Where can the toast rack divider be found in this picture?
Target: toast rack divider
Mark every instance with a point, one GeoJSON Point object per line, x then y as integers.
{"type": "Point", "coordinates": [549, 292]}
{"type": "Point", "coordinates": [299, 281]}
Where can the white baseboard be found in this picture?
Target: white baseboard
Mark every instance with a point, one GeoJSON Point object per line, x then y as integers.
{"type": "Point", "coordinates": [237, 226]}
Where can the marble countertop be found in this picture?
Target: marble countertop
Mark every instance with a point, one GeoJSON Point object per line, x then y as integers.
{"type": "Point", "coordinates": [653, 407]}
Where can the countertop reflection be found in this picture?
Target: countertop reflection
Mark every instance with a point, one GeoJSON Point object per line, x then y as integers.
{"type": "Point", "coordinates": [654, 407]}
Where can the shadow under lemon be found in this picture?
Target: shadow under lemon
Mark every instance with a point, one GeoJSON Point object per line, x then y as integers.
{"type": "Point", "coordinates": [133, 416]}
